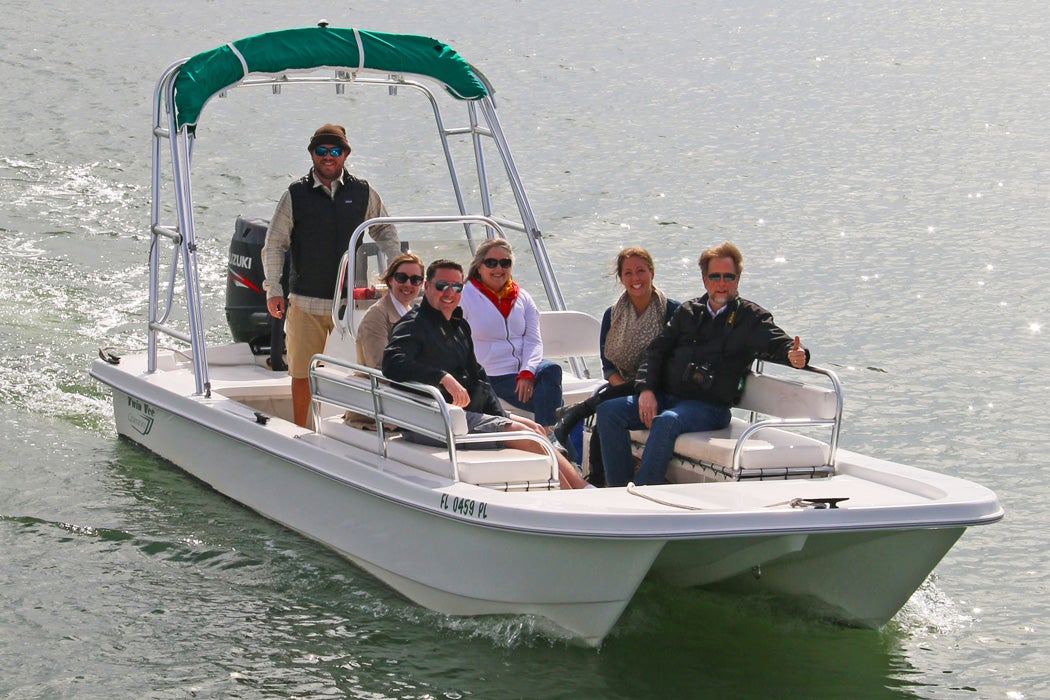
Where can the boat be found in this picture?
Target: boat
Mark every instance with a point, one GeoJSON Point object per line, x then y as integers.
{"type": "Point", "coordinates": [771, 505]}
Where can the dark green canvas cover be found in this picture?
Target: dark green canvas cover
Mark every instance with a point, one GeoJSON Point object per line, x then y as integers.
{"type": "Point", "coordinates": [210, 72]}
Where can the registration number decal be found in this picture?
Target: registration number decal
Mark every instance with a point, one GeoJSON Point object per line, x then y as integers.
{"type": "Point", "coordinates": [467, 507]}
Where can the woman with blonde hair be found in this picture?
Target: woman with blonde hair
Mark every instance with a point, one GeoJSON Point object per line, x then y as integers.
{"type": "Point", "coordinates": [505, 325]}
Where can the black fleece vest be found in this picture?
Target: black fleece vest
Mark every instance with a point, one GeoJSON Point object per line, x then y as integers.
{"type": "Point", "coordinates": [321, 230]}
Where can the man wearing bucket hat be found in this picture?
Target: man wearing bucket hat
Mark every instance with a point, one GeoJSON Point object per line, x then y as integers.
{"type": "Point", "coordinates": [313, 222]}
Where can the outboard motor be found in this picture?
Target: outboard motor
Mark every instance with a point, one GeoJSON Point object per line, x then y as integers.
{"type": "Point", "coordinates": [246, 312]}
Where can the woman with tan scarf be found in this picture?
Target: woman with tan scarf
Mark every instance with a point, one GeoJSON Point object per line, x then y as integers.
{"type": "Point", "coordinates": [628, 326]}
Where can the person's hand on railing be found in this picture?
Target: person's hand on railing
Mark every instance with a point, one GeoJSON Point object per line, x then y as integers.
{"type": "Point", "coordinates": [797, 354]}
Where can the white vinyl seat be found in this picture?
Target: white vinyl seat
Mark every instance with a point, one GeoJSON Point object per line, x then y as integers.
{"type": "Point", "coordinates": [769, 446]}
{"type": "Point", "coordinates": [366, 392]}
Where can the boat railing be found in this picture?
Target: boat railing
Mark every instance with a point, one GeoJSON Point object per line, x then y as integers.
{"type": "Point", "coordinates": [822, 409]}
{"type": "Point", "coordinates": [419, 408]}
{"type": "Point", "coordinates": [784, 427]}
{"type": "Point", "coordinates": [342, 312]}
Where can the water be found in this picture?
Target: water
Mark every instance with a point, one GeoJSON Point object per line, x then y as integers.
{"type": "Point", "coordinates": [882, 165]}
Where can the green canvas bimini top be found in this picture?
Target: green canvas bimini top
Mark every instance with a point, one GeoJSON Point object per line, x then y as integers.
{"type": "Point", "coordinates": [211, 72]}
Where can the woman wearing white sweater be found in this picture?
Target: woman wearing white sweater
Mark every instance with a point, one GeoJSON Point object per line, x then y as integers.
{"type": "Point", "coordinates": [505, 326]}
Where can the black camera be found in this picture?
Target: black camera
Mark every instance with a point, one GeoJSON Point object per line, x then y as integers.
{"type": "Point", "coordinates": [699, 374]}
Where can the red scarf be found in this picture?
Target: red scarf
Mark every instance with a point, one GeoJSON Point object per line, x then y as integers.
{"type": "Point", "coordinates": [504, 299]}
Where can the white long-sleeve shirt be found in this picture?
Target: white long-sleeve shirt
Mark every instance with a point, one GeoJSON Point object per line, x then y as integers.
{"type": "Point", "coordinates": [503, 345]}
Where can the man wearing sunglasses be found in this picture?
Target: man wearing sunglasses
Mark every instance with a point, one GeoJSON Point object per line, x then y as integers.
{"type": "Point", "coordinates": [693, 372]}
{"type": "Point", "coordinates": [313, 222]}
{"type": "Point", "coordinates": [432, 344]}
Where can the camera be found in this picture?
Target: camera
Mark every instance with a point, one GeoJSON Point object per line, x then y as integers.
{"type": "Point", "coordinates": [699, 374]}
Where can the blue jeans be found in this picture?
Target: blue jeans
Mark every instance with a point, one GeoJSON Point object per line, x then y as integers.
{"type": "Point", "coordinates": [546, 393]}
{"type": "Point", "coordinates": [675, 416]}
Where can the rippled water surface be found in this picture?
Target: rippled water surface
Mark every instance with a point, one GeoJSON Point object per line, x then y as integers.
{"type": "Point", "coordinates": [882, 165]}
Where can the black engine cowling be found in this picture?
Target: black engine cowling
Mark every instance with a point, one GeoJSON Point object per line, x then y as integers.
{"type": "Point", "coordinates": [246, 313]}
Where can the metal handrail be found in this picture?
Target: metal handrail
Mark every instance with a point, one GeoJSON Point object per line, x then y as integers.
{"type": "Point", "coordinates": [345, 321]}
{"type": "Point", "coordinates": [834, 423]}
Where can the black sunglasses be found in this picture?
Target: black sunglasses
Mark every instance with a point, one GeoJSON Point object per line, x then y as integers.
{"type": "Point", "coordinates": [401, 278]}
{"type": "Point", "coordinates": [322, 151]}
{"type": "Point", "coordinates": [442, 285]}
{"type": "Point", "coordinates": [492, 263]}
{"type": "Point", "coordinates": [718, 276]}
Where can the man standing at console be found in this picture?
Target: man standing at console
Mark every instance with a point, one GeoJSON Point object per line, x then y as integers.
{"type": "Point", "coordinates": [693, 372]}
{"type": "Point", "coordinates": [432, 344]}
{"type": "Point", "coordinates": [314, 221]}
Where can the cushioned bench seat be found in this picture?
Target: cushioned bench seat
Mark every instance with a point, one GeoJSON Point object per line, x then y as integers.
{"type": "Point", "coordinates": [506, 468]}
{"type": "Point", "coordinates": [770, 448]}
{"type": "Point", "coordinates": [481, 467]}
{"type": "Point", "coordinates": [776, 449]}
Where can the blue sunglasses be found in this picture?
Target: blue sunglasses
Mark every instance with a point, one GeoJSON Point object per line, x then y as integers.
{"type": "Point", "coordinates": [334, 151]}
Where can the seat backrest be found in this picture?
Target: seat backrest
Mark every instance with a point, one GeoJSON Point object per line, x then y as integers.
{"type": "Point", "coordinates": [784, 398]}
{"type": "Point", "coordinates": [413, 411]}
{"type": "Point", "coordinates": [341, 345]}
{"type": "Point", "coordinates": [334, 385]}
{"type": "Point", "coordinates": [569, 334]}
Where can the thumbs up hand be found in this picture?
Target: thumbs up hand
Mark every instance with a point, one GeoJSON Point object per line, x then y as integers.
{"type": "Point", "coordinates": [797, 354]}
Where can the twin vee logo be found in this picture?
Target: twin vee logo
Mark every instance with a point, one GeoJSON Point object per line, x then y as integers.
{"type": "Point", "coordinates": [140, 416]}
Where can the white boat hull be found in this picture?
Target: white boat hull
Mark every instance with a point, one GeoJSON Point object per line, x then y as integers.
{"type": "Point", "coordinates": [574, 559]}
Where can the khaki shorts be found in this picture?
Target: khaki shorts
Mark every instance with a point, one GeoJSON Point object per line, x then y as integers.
{"type": "Point", "coordinates": [306, 336]}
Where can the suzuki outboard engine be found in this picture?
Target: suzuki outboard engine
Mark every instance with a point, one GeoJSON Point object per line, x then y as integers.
{"type": "Point", "coordinates": [246, 312]}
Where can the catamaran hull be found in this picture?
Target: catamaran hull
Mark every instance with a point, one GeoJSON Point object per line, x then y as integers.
{"type": "Point", "coordinates": [458, 564]}
{"type": "Point", "coordinates": [856, 578]}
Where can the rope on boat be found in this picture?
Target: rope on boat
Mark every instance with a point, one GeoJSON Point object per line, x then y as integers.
{"type": "Point", "coordinates": [107, 353]}
{"type": "Point", "coordinates": [814, 503]}
{"type": "Point", "coordinates": [113, 353]}
{"type": "Point", "coordinates": [633, 490]}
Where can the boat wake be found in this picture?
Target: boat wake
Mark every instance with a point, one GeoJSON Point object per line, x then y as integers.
{"type": "Point", "coordinates": [506, 631]}
{"type": "Point", "coordinates": [85, 198]}
{"type": "Point", "coordinates": [930, 611]}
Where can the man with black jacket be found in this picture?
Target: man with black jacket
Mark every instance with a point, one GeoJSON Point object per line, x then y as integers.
{"type": "Point", "coordinates": [694, 371]}
{"type": "Point", "coordinates": [432, 344]}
